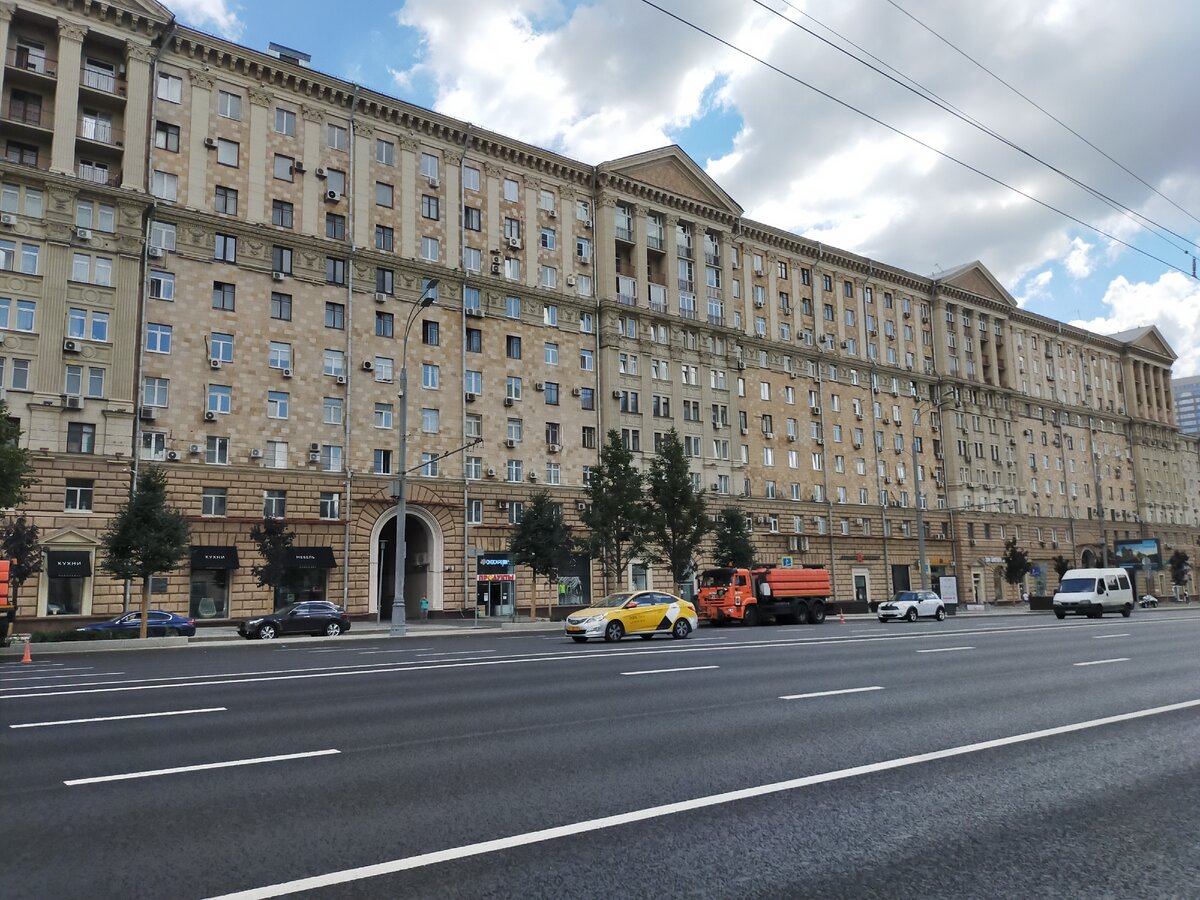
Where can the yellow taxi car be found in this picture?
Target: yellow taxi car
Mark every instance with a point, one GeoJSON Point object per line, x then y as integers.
{"type": "Point", "coordinates": [644, 613]}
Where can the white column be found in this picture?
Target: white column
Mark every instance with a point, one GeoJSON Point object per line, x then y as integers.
{"type": "Point", "coordinates": [138, 58]}
{"type": "Point", "coordinates": [200, 97]}
{"type": "Point", "coordinates": [261, 163]}
{"type": "Point", "coordinates": [6, 14]}
{"type": "Point", "coordinates": [66, 98]}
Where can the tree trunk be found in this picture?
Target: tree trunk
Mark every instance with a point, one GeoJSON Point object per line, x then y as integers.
{"type": "Point", "coordinates": [142, 628]}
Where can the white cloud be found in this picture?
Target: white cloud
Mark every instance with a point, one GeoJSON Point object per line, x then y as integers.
{"type": "Point", "coordinates": [218, 15]}
{"type": "Point", "coordinates": [600, 79]}
{"type": "Point", "coordinates": [1036, 288]}
{"type": "Point", "coordinates": [1079, 261]}
{"type": "Point", "coordinates": [1172, 303]}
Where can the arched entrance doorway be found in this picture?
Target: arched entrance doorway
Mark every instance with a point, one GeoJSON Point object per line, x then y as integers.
{"type": "Point", "coordinates": [1088, 559]}
{"type": "Point", "coordinates": [423, 568]}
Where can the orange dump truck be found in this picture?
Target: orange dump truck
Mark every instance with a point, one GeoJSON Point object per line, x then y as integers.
{"type": "Point", "coordinates": [749, 596]}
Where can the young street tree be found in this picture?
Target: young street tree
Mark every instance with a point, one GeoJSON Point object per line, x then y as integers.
{"type": "Point", "coordinates": [1016, 563]}
{"type": "Point", "coordinates": [21, 546]}
{"type": "Point", "coordinates": [16, 468]}
{"type": "Point", "coordinates": [733, 545]}
{"type": "Point", "coordinates": [274, 540]}
{"type": "Point", "coordinates": [1178, 564]}
{"type": "Point", "coordinates": [675, 517]}
{"type": "Point", "coordinates": [146, 537]}
{"type": "Point", "coordinates": [1062, 566]}
{"type": "Point", "coordinates": [541, 541]}
{"type": "Point", "coordinates": [615, 517]}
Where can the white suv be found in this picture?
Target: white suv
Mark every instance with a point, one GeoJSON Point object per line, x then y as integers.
{"type": "Point", "coordinates": [911, 604]}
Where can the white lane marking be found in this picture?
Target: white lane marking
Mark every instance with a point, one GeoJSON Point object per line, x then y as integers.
{"type": "Point", "coordinates": [174, 712]}
{"type": "Point", "coordinates": [152, 773]}
{"type": "Point", "coordinates": [656, 812]}
{"type": "Point", "coordinates": [1101, 637]}
{"type": "Point", "coordinates": [665, 671]}
{"type": "Point", "coordinates": [1101, 662]}
{"type": "Point", "coordinates": [874, 687]}
{"type": "Point", "coordinates": [456, 652]}
{"type": "Point", "coordinates": [48, 677]}
{"type": "Point", "coordinates": [405, 650]}
{"type": "Point", "coordinates": [575, 656]}
{"type": "Point", "coordinates": [945, 649]}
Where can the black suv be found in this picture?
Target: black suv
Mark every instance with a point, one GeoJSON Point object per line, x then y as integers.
{"type": "Point", "coordinates": [310, 617]}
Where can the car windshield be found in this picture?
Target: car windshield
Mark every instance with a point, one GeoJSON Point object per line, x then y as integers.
{"type": "Point", "coordinates": [612, 601]}
{"type": "Point", "coordinates": [716, 578]}
{"type": "Point", "coordinates": [905, 596]}
{"type": "Point", "coordinates": [1077, 586]}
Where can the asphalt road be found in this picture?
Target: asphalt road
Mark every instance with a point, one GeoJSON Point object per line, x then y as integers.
{"type": "Point", "coordinates": [1000, 757]}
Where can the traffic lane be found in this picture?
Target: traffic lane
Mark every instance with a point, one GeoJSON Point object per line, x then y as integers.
{"type": "Point", "coordinates": [358, 795]}
{"type": "Point", "coordinates": [291, 715]}
{"type": "Point", "coordinates": [1021, 820]}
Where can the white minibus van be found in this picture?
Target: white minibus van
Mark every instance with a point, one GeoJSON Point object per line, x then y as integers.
{"type": "Point", "coordinates": [1093, 592]}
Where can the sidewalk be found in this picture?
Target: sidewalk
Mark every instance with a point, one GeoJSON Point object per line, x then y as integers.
{"type": "Point", "coordinates": [448, 627]}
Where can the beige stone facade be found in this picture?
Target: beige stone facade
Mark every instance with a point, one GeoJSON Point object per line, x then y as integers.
{"type": "Point", "coordinates": [273, 228]}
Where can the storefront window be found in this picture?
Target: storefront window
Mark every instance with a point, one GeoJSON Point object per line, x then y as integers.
{"type": "Point", "coordinates": [212, 572]}
{"type": "Point", "coordinates": [68, 574]}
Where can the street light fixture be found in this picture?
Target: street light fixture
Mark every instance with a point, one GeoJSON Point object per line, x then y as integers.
{"type": "Point", "coordinates": [399, 626]}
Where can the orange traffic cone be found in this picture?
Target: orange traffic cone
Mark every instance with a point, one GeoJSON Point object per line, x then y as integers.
{"type": "Point", "coordinates": [27, 658]}
{"type": "Point", "coordinates": [841, 617]}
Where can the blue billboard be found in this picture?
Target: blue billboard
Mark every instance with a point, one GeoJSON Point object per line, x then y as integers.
{"type": "Point", "coordinates": [1133, 553]}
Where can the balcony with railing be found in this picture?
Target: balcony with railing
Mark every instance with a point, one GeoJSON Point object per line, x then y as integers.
{"type": "Point", "coordinates": [623, 225]}
{"type": "Point", "coordinates": [98, 174]}
{"type": "Point", "coordinates": [655, 234]}
{"type": "Point", "coordinates": [683, 251]}
{"type": "Point", "coordinates": [100, 131]}
{"type": "Point", "coordinates": [626, 290]}
{"type": "Point", "coordinates": [658, 298]}
{"type": "Point", "coordinates": [31, 115]}
{"type": "Point", "coordinates": [687, 305]}
{"type": "Point", "coordinates": [101, 81]}
{"type": "Point", "coordinates": [22, 59]}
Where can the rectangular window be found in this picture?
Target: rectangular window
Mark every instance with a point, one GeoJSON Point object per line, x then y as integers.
{"type": "Point", "coordinates": [281, 306]}
{"type": "Point", "coordinates": [335, 270]}
{"type": "Point", "coordinates": [164, 186]}
{"type": "Point", "coordinates": [81, 437]}
{"type": "Point", "coordinates": [228, 152]}
{"type": "Point", "coordinates": [285, 121]}
{"type": "Point", "coordinates": [225, 201]}
{"type": "Point", "coordinates": [472, 219]}
{"type": "Point", "coordinates": [158, 338]}
{"type": "Point", "coordinates": [384, 238]}
{"type": "Point", "coordinates": [170, 88]}
{"type": "Point", "coordinates": [277, 404]}
{"type": "Point", "coordinates": [430, 249]}
{"type": "Point", "coordinates": [430, 376]}
{"type": "Point", "coordinates": [385, 195]}
{"type": "Point", "coordinates": [330, 505]}
{"type": "Point", "coordinates": [223, 296]}
{"type": "Point", "coordinates": [229, 106]}
{"type": "Point", "coordinates": [282, 213]}
{"type": "Point", "coordinates": [162, 235]}
{"type": "Point", "coordinates": [385, 324]}
{"type": "Point", "coordinates": [385, 152]}
{"type": "Point", "coordinates": [225, 248]}
{"type": "Point", "coordinates": [430, 207]}
{"type": "Point", "coordinates": [281, 259]}
{"type": "Point", "coordinates": [78, 496]}
{"type": "Point", "coordinates": [283, 167]}
{"type": "Point", "coordinates": [471, 178]}
{"type": "Point", "coordinates": [274, 504]}
{"type": "Point", "coordinates": [213, 501]}
{"type": "Point", "coordinates": [335, 315]}
{"type": "Point", "coordinates": [429, 166]}
{"type": "Point", "coordinates": [337, 137]}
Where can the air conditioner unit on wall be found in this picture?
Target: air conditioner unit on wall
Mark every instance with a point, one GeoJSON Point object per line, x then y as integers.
{"type": "Point", "coordinates": [210, 416]}
{"type": "Point", "coordinates": [172, 456]}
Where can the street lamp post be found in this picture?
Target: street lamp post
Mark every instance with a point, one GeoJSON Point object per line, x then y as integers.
{"type": "Point", "coordinates": [399, 625]}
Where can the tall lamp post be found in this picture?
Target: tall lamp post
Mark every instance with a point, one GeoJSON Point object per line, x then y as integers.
{"type": "Point", "coordinates": [399, 625]}
{"type": "Point", "coordinates": [932, 403]}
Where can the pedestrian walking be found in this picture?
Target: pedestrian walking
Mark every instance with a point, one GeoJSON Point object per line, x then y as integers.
{"type": "Point", "coordinates": [424, 608]}
{"type": "Point", "coordinates": [1025, 597]}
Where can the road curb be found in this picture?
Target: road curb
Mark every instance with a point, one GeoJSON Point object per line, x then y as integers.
{"type": "Point", "coordinates": [17, 648]}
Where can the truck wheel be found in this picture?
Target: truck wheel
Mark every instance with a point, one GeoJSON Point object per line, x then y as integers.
{"type": "Point", "coordinates": [750, 617]}
{"type": "Point", "coordinates": [800, 612]}
{"type": "Point", "coordinates": [1059, 614]}
{"type": "Point", "coordinates": [816, 613]}
{"type": "Point", "coordinates": [1127, 611]}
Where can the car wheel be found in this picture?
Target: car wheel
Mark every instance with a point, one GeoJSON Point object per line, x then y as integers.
{"type": "Point", "coordinates": [940, 615]}
{"type": "Point", "coordinates": [646, 637]}
{"type": "Point", "coordinates": [614, 632]}
{"type": "Point", "coordinates": [681, 629]}
{"type": "Point", "coordinates": [816, 614]}
{"type": "Point", "coordinates": [1098, 614]}
{"type": "Point", "coordinates": [333, 629]}
{"type": "Point", "coordinates": [266, 632]}
{"type": "Point", "coordinates": [1127, 611]}
{"type": "Point", "coordinates": [882, 619]}
{"type": "Point", "coordinates": [1059, 614]}
{"type": "Point", "coordinates": [750, 616]}
{"type": "Point", "coordinates": [578, 639]}
{"type": "Point", "coordinates": [912, 614]}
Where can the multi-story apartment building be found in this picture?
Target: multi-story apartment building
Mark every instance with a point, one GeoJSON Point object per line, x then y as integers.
{"type": "Point", "coordinates": [1187, 404]}
{"type": "Point", "coordinates": [213, 260]}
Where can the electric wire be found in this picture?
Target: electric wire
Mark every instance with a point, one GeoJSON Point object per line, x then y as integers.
{"type": "Point", "coordinates": [1043, 110]}
{"type": "Point", "coordinates": [895, 130]}
{"type": "Point", "coordinates": [913, 86]}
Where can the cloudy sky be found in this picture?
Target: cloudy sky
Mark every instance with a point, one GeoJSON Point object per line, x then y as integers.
{"type": "Point", "coordinates": [810, 139]}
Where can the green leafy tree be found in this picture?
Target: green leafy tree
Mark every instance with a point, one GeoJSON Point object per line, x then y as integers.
{"type": "Point", "coordinates": [675, 517]}
{"type": "Point", "coordinates": [1016, 563]}
{"type": "Point", "coordinates": [1179, 567]}
{"type": "Point", "coordinates": [733, 545]}
{"type": "Point", "coordinates": [146, 537]}
{"type": "Point", "coordinates": [274, 539]}
{"type": "Point", "coordinates": [20, 544]}
{"type": "Point", "coordinates": [615, 516]}
{"type": "Point", "coordinates": [16, 466]}
{"type": "Point", "coordinates": [541, 541]}
{"type": "Point", "coordinates": [1062, 565]}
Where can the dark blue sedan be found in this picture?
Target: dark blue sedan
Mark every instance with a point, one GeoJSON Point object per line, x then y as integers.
{"type": "Point", "coordinates": [159, 624]}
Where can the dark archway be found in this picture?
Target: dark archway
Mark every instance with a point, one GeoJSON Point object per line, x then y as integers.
{"type": "Point", "coordinates": [419, 540]}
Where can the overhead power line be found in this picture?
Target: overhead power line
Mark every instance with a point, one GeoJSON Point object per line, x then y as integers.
{"type": "Point", "coordinates": [913, 86]}
{"type": "Point", "coordinates": [895, 130]}
{"type": "Point", "coordinates": [1042, 110]}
